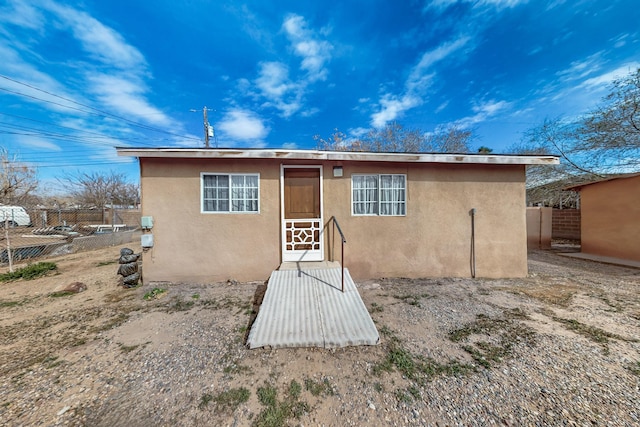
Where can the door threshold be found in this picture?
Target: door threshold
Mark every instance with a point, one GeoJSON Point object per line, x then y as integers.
{"type": "Point", "coordinates": [308, 265]}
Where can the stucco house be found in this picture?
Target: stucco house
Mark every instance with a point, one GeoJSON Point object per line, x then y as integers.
{"type": "Point", "coordinates": [609, 217]}
{"type": "Point", "coordinates": [220, 214]}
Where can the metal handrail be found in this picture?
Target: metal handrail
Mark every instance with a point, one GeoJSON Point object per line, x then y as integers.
{"type": "Point", "coordinates": [343, 241]}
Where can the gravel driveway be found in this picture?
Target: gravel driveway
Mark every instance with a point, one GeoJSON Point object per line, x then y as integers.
{"type": "Point", "coordinates": [559, 347]}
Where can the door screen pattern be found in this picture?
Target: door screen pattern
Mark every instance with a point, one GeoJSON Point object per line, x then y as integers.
{"type": "Point", "coordinates": [302, 234]}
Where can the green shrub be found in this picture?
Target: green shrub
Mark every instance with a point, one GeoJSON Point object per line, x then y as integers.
{"type": "Point", "coordinates": [30, 272]}
{"type": "Point", "coordinates": [154, 293]}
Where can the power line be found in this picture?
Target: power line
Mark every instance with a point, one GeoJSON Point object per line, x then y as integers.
{"type": "Point", "coordinates": [97, 163]}
{"type": "Point", "coordinates": [59, 164]}
{"type": "Point", "coordinates": [30, 131]}
{"type": "Point", "coordinates": [101, 112]}
{"type": "Point", "coordinates": [101, 135]}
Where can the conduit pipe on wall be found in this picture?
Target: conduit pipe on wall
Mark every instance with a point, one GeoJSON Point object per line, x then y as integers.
{"type": "Point", "coordinates": [472, 260]}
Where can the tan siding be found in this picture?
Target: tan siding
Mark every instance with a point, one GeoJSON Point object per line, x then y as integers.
{"type": "Point", "coordinates": [192, 246]}
{"type": "Point", "coordinates": [610, 218]}
{"type": "Point", "coordinates": [433, 239]}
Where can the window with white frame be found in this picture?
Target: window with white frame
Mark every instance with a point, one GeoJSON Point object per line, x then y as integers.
{"type": "Point", "coordinates": [383, 194]}
{"type": "Point", "coordinates": [230, 192]}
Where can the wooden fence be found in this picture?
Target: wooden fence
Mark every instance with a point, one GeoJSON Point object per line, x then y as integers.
{"type": "Point", "coordinates": [51, 217]}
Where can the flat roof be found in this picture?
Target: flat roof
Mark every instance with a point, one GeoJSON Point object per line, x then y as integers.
{"type": "Point", "coordinates": [578, 187]}
{"type": "Point", "coordinates": [318, 155]}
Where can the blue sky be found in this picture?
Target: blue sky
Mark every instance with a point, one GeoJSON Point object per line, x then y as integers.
{"type": "Point", "coordinates": [79, 78]}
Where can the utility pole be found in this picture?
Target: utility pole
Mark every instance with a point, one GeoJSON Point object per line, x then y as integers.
{"type": "Point", "coordinates": [208, 129]}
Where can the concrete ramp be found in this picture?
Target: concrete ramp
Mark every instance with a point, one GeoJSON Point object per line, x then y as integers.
{"type": "Point", "coordinates": [306, 308]}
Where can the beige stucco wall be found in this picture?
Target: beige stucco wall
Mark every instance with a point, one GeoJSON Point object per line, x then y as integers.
{"type": "Point", "coordinates": [610, 213]}
{"type": "Point", "coordinates": [204, 248]}
{"type": "Point", "coordinates": [432, 240]}
{"type": "Point", "coordinates": [539, 220]}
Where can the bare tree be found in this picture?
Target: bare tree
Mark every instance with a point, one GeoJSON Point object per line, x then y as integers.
{"type": "Point", "coordinates": [96, 189]}
{"type": "Point", "coordinates": [546, 183]}
{"type": "Point", "coordinates": [337, 141]}
{"type": "Point", "coordinates": [449, 139]}
{"type": "Point", "coordinates": [609, 137]}
{"type": "Point", "coordinates": [604, 141]}
{"type": "Point", "coordinates": [395, 138]}
{"type": "Point", "coordinates": [18, 179]}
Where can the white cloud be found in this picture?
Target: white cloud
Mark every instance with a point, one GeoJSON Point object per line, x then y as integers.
{"type": "Point", "coordinates": [603, 80]}
{"type": "Point", "coordinates": [582, 68]}
{"type": "Point", "coordinates": [555, 4]}
{"type": "Point", "coordinates": [315, 53]}
{"type": "Point", "coordinates": [109, 155]}
{"type": "Point", "coordinates": [501, 3]}
{"type": "Point", "coordinates": [441, 52]}
{"type": "Point", "coordinates": [273, 80]}
{"type": "Point", "coordinates": [393, 106]}
{"type": "Point", "coordinates": [440, 4]}
{"type": "Point", "coordinates": [100, 41]}
{"type": "Point", "coordinates": [358, 132]}
{"type": "Point", "coordinates": [309, 112]}
{"type": "Point", "coordinates": [126, 96]}
{"type": "Point", "coordinates": [621, 40]}
{"type": "Point", "coordinates": [242, 126]}
{"type": "Point", "coordinates": [290, 146]}
{"type": "Point", "coordinates": [37, 142]}
{"type": "Point", "coordinates": [121, 90]}
{"type": "Point", "coordinates": [419, 78]}
{"type": "Point", "coordinates": [275, 86]}
{"type": "Point", "coordinates": [498, 4]}
{"type": "Point", "coordinates": [442, 106]}
{"type": "Point", "coordinates": [12, 65]}
{"type": "Point", "coordinates": [279, 91]}
{"type": "Point", "coordinates": [583, 90]}
{"type": "Point", "coordinates": [23, 14]}
{"type": "Point", "coordinates": [535, 50]}
{"type": "Point", "coordinates": [252, 25]}
{"type": "Point", "coordinates": [483, 112]}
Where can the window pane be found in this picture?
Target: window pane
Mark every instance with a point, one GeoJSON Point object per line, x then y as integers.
{"type": "Point", "coordinates": [252, 181]}
{"type": "Point", "coordinates": [365, 194]}
{"type": "Point", "coordinates": [222, 193]}
{"type": "Point", "coordinates": [230, 193]}
{"type": "Point", "coordinates": [222, 206]}
{"type": "Point", "coordinates": [244, 193]}
{"type": "Point", "coordinates": [392, 195]}
{"type": "Point", "coordinates": [215, 193]}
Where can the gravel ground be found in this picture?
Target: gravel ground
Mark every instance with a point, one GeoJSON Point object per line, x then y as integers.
{"type": "Point", "coordinates": [559, 347]}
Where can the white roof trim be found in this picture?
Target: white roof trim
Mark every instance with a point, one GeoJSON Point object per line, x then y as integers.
{"type": "Point", "coordinates": [356, 156]}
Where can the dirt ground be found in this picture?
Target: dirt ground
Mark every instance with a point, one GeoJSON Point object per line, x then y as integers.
{"type": "Point", "coordinates": [559, 347]}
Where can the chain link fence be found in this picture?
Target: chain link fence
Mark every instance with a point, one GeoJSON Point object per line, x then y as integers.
{"type": "Point", "coordinates": [61, 231]}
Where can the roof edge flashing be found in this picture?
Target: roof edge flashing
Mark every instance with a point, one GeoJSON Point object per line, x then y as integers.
{"type": "Point", "coordinates": [230, 153]}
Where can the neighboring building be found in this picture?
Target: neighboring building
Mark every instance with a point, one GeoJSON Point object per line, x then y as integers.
{"type": "Point", "coordinates": [610, 217]}
{"type": "Point", "coordinates": [223, 214]}
{"type": "Point", "coordinates": [539, 221]}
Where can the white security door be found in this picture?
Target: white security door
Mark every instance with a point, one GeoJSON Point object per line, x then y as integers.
{"type": "Point", "coordinates": [302, 213]}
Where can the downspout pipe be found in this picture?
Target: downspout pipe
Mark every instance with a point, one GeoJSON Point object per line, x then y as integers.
{"type": "Point", "coordinates": [472, 260]}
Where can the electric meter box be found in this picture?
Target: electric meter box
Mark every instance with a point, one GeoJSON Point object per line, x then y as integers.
{"type": "Point", "coordinates": [146, 222]}
{"type": "Point", "coordinates": [146, 240]}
